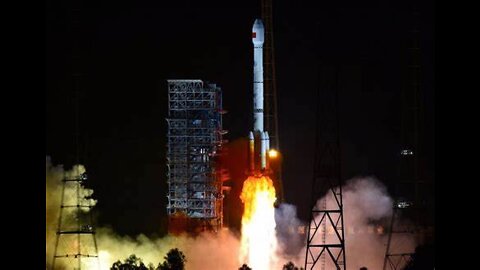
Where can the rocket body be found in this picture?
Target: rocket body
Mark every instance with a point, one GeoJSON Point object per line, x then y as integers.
{"type": "Point", "coordinates": [258, 139]}
{"type": "Point", "coordinates": [258, 39]}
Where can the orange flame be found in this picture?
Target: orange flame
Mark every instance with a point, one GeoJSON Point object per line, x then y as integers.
{"type": "Point", "coordinates": [258, 242]}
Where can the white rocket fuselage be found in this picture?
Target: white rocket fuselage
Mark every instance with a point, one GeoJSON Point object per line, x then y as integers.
{"type": "Point", "coordinates": [259, 141]}
{"type": "Point", "coordinates": [258, 39]}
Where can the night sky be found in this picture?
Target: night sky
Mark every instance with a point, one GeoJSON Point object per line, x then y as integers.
{"type": "Point", "coordinates": [128, 51]}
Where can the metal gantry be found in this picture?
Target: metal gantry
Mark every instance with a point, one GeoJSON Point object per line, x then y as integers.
{"type": "Point", "coordinates": [270, 90]}
{"type": "Point", "coordinates": [269, 82]}
{"type": "Point", "coordinates": [325, 235]}
{"type": "Point", "coordinates": [75, 244]}
{"type": "Point", "coordinates": [194, 140]}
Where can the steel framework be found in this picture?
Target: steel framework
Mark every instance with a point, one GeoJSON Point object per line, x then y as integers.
{"type": "Point", "coordinates": [75, 243]}
{"type": "Point", "coordinates": [270, 87]}
{"type": "Point", "coordinates": [411, 199]}
{"type": "Point", "coordinates": [325, 235]}
{"type": "Point", "coordinates": [270, 90]}
{"type": "Point", "coordinates": [194, 140]}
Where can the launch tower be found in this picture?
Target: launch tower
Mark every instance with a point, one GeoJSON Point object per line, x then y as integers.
{"type": "Point", "coordinates": [195, 199]}
{"type": "Point", "coordinates": [270, 91]}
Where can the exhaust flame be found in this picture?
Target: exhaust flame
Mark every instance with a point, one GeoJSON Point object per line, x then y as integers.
{"type": "Point", "coordinates": [258, 242]}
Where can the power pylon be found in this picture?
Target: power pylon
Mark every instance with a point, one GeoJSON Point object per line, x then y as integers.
{"type": "Point", "coordinates": [411, 202]}
{"type": "Point", "coordinates": [325, 235]}
{"type": "Point", "coordinates": [75, 244]}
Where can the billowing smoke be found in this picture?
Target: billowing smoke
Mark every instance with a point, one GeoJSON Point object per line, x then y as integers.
{"type": "Point", "coordinates": [367, 213]}
{"type": "Point", "coordinates": [206, 251]}
{"type": "Point", "coordinates": [54, 186]}
{"type": "Point", "coordinates": [54, 177]}
{"type": "Point", "coordinates": [288, 234]}
{"type": "Point", "coordinates": [367, 208]}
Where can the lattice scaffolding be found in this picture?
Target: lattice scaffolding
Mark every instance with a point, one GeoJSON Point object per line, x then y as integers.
{"type": "Point", "coordinates": [326, 231]}
{"type": "Point", "coordinates": [270, 91]}
{"type": "Point", "coordinates": [75, 244]}
{"type": "Point", "coordinates": [194, 138]}
{"type": "Point", "coordinates": [412, 193]}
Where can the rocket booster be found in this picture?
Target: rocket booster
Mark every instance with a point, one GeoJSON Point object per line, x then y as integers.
{"type": "Point", "coordinates": [251, 151]}
{"type": "Point", "coordinates": [259, 142]}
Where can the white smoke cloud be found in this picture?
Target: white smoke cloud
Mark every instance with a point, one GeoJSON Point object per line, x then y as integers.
{"type": "Point", "coordinates": [54, 187]}
{"type": "Point", "coordinates": [288, 226]}
{"type": "Point", "coordinates": [205, 251]}
{"type": "Point", "coordinates": [367, 207]}
{"type": "Point", "coordinates": [53, 190]}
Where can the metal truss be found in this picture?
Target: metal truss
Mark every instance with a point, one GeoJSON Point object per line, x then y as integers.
{"type": "Point", "coordinates": [75, 244]}
{"type": "Point", "coordinates": [194, 139]}
{"type": "Point", "coordinates": [325, 235]}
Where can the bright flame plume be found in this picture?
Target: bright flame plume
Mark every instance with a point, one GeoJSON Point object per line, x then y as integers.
{"type": "Point", "coordinates": [258, 242]}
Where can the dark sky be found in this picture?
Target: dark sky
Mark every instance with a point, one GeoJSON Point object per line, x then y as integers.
{"type": "Point", "coordinates": [128, 51]}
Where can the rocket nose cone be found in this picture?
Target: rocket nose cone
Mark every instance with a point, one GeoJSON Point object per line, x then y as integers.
{"type": "Point", "coordinates": [258, 24]}
{"type": "Point", "coordinates": [258, 32]}
{"type": "Point", "coordinates": [250, 135]}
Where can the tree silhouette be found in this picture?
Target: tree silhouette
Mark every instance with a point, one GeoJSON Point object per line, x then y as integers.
{"type": "Point", "coordinates": [244, 267]}
{"type": "Point", "coordinates": [291, 266]}
{"type": "Point", "coordinates": [131, 263]}
{"type": "Point", "coordinates": [174, 260]}
{"type": "Point", "coordinates": [423, 258]}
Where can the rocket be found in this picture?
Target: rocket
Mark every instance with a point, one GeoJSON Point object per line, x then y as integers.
{"type": "Point", "coordinates": [259, 141]}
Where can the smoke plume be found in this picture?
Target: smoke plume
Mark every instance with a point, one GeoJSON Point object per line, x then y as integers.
{"type": "Point", "coordinates": [367, 208]}
{"type": "Point", "coordinates": [53, 190]}
{"type": "Point", "coordinates": [288, 226]}
{"type": "Point", "coordinates": [54, 186]}
{"type": "Point", "coordinates": [205, 251]}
